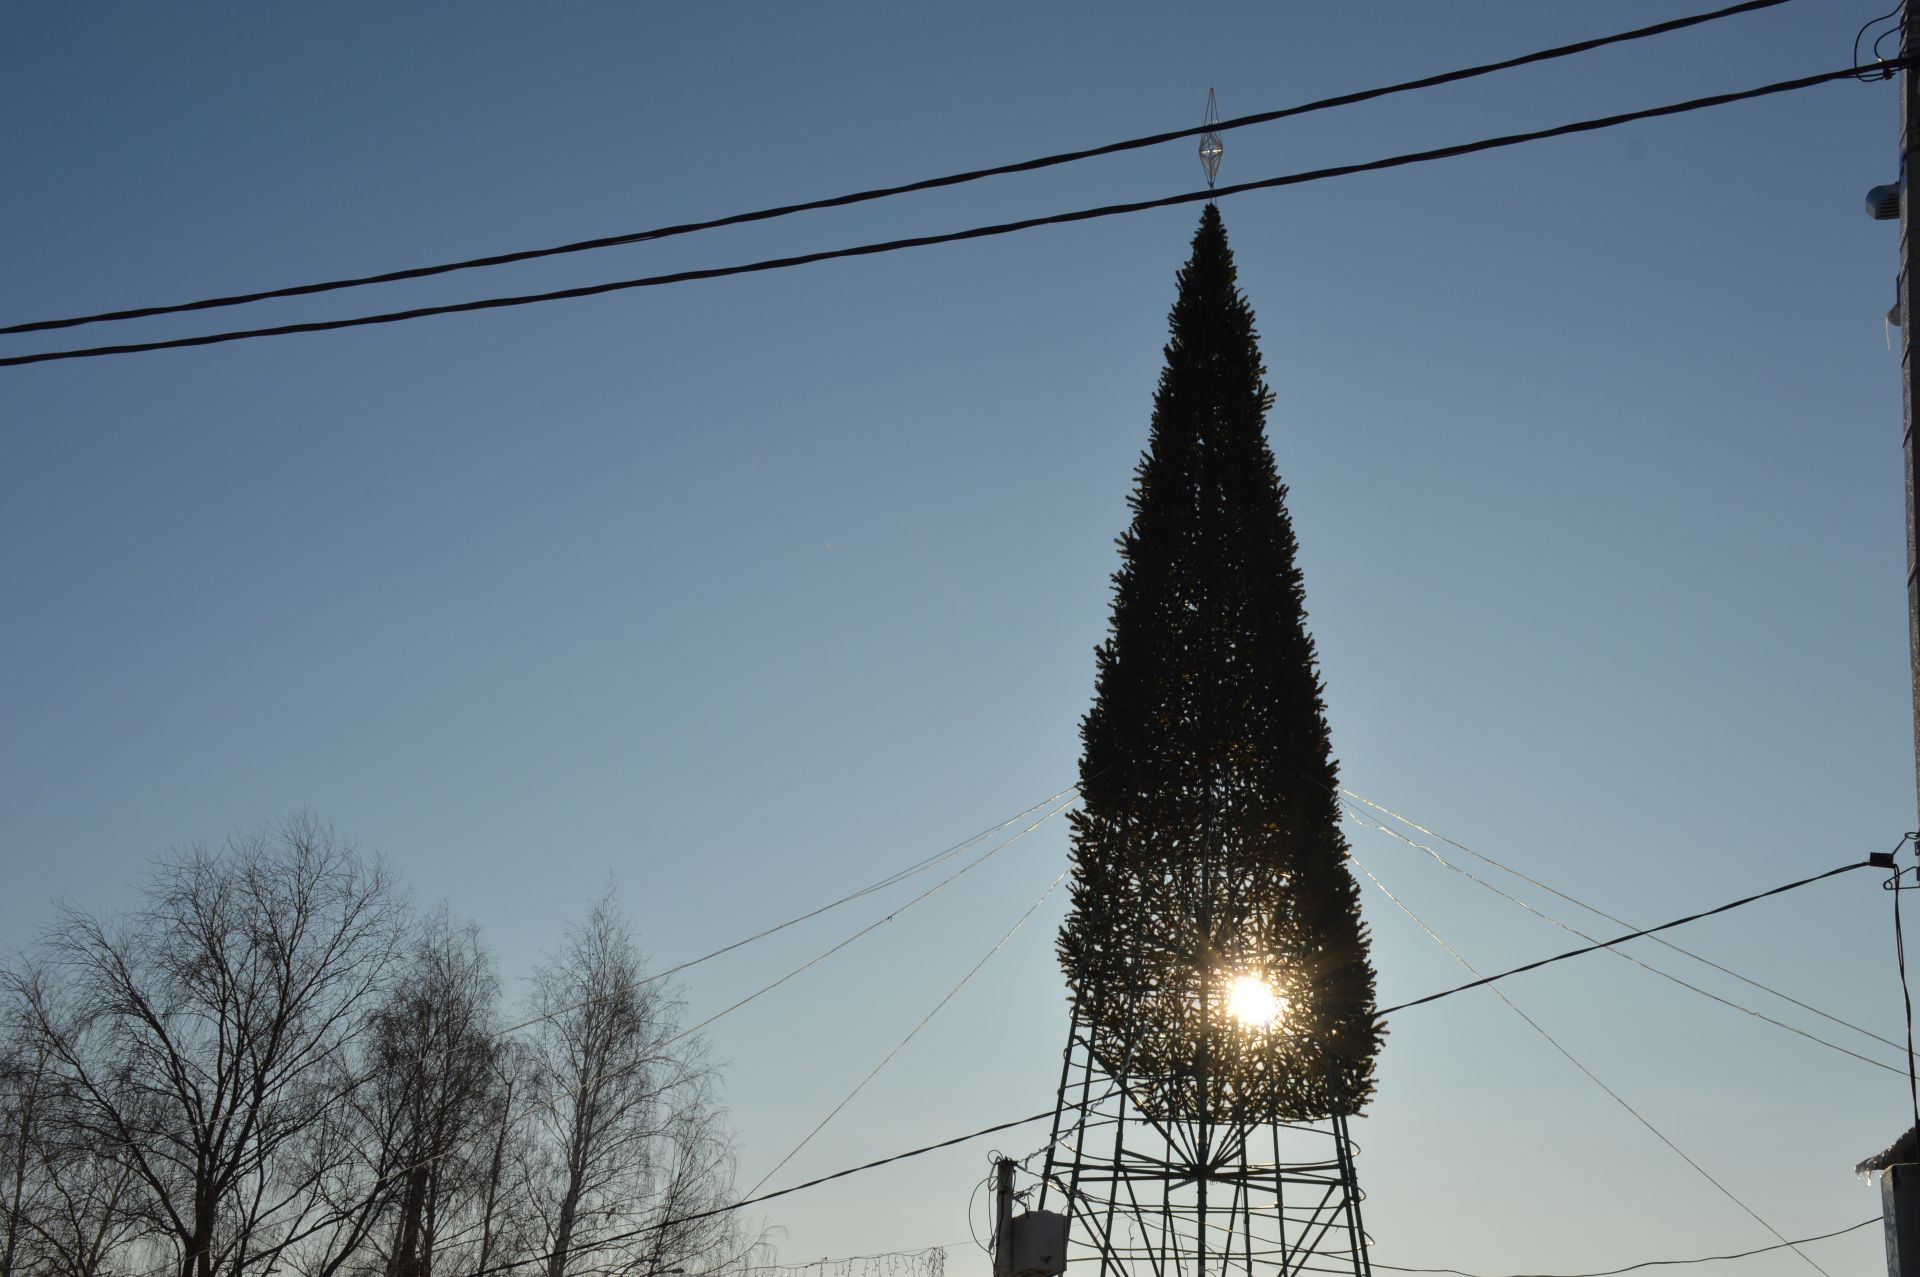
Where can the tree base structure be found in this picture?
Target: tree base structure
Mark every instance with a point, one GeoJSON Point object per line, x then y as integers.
{"type": "Point", "coordinates": [1147, 1196]}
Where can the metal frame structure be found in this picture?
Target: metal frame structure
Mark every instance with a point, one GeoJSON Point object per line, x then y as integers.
{"type": "Point", "coordinates": [1198, 1196]}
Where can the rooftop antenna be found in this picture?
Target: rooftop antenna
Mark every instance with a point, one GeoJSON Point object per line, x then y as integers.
{"type": "Point", "coordinates": [1211, 148]}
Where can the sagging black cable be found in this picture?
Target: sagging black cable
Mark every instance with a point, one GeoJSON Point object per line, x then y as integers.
{"type": "Point", "coordinates": [1631, 935]}
{"type": "Point", "coordinates": [885, 192]}
{"type": "Point", "coordinates": [1645, 1263]}
{"type": "Point", "coordinates": [950, 237]}
{"type": "Point", "coordinates": [697, 1216]}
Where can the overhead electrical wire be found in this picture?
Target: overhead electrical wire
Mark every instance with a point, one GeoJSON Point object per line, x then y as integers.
{"type": "Point", "coordinates": [1605, 1272]}
{"type": "Point", "coordinates": [898, 876]}
{"type": "Point", "coordinates": [1645, 1263]}
{"type": "Point", "coordinates": [1614, 918]}
{"type": "Point", "coordinates": [1544, 916]}
{"type": "Point", "coordinates": [696, 1216]}
{"type": "Point", "coordinates": [1897, 12]}
{"type": "Point", "coordinates": [1632, 935]}
{"type": "Point", "coordinates": [886, 192]}
{"type": "Point", "coordinates": [950, 237]}
{"type": "Point", "coordinates": [752, 1199]}
{"type": "Point", "coordinates": [891, 879]}
{"type": "Point", "coordinates": [1591, 1075]}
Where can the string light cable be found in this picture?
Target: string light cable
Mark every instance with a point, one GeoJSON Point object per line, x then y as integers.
{"type": "Point", "coordinates": [922, 1253]}
{"type": "Point", "coordinates": [912, 1033]}
{"type": "Point", "coordinates": [898, 876]}
{"type": "Point", "coordinates": [1875, 862]}
{"type": "Point", "coordinates": [1591, 1075]}
{"type": "Point", "coordinates": [816, 960]}
{"type": "Point", "coordinates": [972, 233]}
{"type": "Point", "coordinates": [886, 192]}
{"type": "Point", "coordinates": [1645, 1263]}
{"type": "Point", "coordinates": [875, 925]}
{"type": "Point", "coordinates": [1606, 1272]}
{"type": "Point", "coordinates": [1544, 916]}
{"type": "Point", "coordinates": [1613, 918]}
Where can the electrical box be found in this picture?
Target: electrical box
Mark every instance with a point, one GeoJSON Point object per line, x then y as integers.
{"type": "Point", "coordinates": [1037, 1245]}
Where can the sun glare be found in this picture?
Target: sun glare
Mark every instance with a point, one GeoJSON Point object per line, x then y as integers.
{"type": "Point", "coordinates": [1252, 1002]}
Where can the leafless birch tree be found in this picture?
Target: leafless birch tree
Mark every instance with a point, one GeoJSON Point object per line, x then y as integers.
{"type": "Point", "coordinates": [200, 1040]}
{"type": "Point", "coordinates": [629, 1128]}
{"type": "Point", "coordinates": [441, 1083]}
{"type": "Point", "coordinates": [270, 1069]}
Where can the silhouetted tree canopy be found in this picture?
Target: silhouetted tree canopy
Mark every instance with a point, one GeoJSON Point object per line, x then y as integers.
{"type": "Point", "coordinates": [1209, 847]}
{"type": "Point", "coordinates": [272, 1065]}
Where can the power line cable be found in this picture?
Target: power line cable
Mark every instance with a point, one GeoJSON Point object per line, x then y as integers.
{"type": "Point", "coordinates": [1615, 919]}
{"type": "Point", "coordinates": [1633, 935]}
{"type": "Point", "coordinates": [899, 875]}
{"type": "Point", "coordinates": [752, 1199]}
{"type": "Point", "coordinates": [1591, 1075]}
{"type": "Point", "coordinates": [951, 237]}
{"type": "Point", "coordinates": [912, 1033]}
{"type": "Point", "coordinates": [1645, 1263]}
{"type": "Point", "coordinates": [890, 880]}
{"type": "Point", "coordinates": [1871, 22]}
{"type": "Point", "coordinates": [697, 1216]}
{"type": "Point", "coordinates": [885, 192]}
{"type": "Point", "coordinates": [1541, 914]}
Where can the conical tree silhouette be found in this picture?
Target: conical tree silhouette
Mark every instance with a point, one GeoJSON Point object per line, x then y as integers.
{"type": "Point", "coordinates": [1208, 850]}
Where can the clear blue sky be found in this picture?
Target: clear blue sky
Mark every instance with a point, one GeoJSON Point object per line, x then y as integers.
{"type": "Point", "coordinates": [745, 593]}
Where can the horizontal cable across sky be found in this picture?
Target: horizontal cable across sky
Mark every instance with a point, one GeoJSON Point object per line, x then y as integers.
{"type": "Point", "coordinates": [951, 237]}
{"type": "Point", "coordinates": [878, 193]}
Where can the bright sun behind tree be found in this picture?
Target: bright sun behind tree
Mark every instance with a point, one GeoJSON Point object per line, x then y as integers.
{"type": "Point", "coordinates": [1253, 1002]}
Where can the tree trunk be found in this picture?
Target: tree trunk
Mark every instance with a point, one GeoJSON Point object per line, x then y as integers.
{"type": "Point", "coordinates": [404, 1261]}
{"type": "Point", "coordinates": [495, 1167]}
{"type": "Point", "coordinates": [16, 1212]}
{"type": "Point", "coordinates": [563, 1234]}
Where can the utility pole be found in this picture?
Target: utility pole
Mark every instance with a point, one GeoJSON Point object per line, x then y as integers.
{"type": "Point", "coordinates": [1899, 1183]}
{"type": "Point", "coordinates": [1003, 1217]}
{"type": "Point", "coordinates": [1884, 204]}
{"type": "Point", "coordinates": [1909, 370]}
